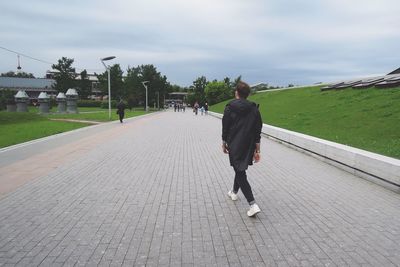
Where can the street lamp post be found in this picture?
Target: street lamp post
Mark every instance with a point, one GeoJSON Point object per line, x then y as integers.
{"type": "Point", "coordinates": [158, 100]}
{"type": "Point", "coordinates": [145, 86]}
{"type": "Point", "coordinates": [109, 83]}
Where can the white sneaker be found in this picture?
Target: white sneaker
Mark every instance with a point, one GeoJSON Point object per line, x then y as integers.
{"type": "Point", "coordinates": [254, 209]}
{"type": "Point", "coordinates": [232, 195]}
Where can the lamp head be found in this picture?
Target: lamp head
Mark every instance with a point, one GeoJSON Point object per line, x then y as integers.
{"type": "Point", "coordinates": [107, 58]}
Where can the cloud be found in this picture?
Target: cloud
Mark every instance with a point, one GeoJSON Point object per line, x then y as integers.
{"type": "Point", "coordinates": [281, 42]}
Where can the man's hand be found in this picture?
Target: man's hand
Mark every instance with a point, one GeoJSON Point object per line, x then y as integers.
{"type": "Point", "coordinates": [225, 148]}
{"type": "Point", "coordinates": [256, 156]}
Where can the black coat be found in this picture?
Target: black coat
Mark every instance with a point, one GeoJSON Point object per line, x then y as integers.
{"type": "Point", "coordinates": [241, 130]}
{"type": "Point", "coordinates": [121, 108]}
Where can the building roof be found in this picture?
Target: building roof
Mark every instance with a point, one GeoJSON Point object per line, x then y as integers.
{"type": "Point", "coordinates": [396, 71]}
{"type": "Point", "coordinates": [21, 94]}
{"type": "Point", "coordinates": [259, 85]}
{"type": "Point", "coordinates": [21, 83]}
{"type": "Point", "coordinates": [178, 93]}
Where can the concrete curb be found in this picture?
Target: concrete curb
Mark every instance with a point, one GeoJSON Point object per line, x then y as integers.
{"type": "Point", "coordinates": [376, 168]}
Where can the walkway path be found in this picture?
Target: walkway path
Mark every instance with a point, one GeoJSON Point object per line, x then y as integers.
{"type": "Point", "coordinates": [152, 191]}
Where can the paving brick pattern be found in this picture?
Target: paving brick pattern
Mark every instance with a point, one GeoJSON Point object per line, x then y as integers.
{"type": "Point", "coordinates": [155, 195]}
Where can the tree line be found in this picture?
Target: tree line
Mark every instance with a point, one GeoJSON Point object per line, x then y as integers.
{"type": "Point", "coordinates": [128, 85]}
{"type": "Point", "coordinates": [17, 74]}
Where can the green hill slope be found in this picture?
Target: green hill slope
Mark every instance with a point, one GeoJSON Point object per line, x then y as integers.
{"type": "Point", "coordinates": [368, 119]}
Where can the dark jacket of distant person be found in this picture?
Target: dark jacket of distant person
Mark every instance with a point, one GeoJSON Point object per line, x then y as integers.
{"type": "Point", "coordinates": [121, 108]}
{"type": "Point", "coordinates": [241, 129]}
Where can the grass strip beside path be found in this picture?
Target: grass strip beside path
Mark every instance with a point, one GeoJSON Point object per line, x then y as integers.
{"type": "Point", "coordinates": [19, 127]}
{"type": "Point", "coordinates": [368, 119]}
{"type": "Point", "coordinates": [94, 114]}
{"type": "Point", "coordinates": [22, 127]}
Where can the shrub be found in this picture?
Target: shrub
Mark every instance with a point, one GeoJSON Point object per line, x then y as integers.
{"type": "Point", "coordinates": [104, 104]}
{"type": "Point", "coordinates": [53, 102]}
{"type": "Point", "coordinates": [2, 102]}
{"type": "Point", "coordinates": [90, 103]}
{"type": "Point", "coordinates": [6, 98]}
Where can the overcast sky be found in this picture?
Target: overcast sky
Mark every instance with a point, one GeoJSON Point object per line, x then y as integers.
{"type": "Point", "coordinates": [273, 41]}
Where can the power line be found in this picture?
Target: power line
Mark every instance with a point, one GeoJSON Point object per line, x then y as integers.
{"type": "Point", "coordinates": [21, 54]}
{"type": "Point", "coordinates": [40, 60]}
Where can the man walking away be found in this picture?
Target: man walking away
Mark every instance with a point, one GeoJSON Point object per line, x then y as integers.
{"type": "Point", "coordinates": [121, 110]}
{"type": "Point", "coordinates": [241, 135]}
{"type": "Point", "coordinates": [196, 108]}
{"type": "Point", "coordinates": [206, 108]}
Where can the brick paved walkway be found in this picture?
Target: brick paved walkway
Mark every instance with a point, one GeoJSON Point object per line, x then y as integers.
{"type": "Point", "coordinates": [153, 192]}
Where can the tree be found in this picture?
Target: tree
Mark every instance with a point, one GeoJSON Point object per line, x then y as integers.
{"type": "Point", "coordinates": [191, 99]}
{"type": "Point", "coordinates": [198, 90]}
{"type": "Point", "coordinates": [157, 85]}
{"type": "Point", "coordinates": [84, 85]}
{"type": "Point", "coordinates": [116, 81]}
{"type": "Point", "coordinates": [216, 92]}
{"type": "Point", "coordinates": [236, 81]}
{"type": "Point", "coordinates": [65, 75]}
{"type": "Point", "coordinates": [199, 85]}
{"type": "Point", "coordinates": [177, 88]}
{"type": "Point", "coordinates": [232, 84]}
{"type": "Point", "coordinates": [133, 87]}
{"type": "Point", "coordinates": [227, 80]}
{"type": "Point", "coordinates": [17, 74]}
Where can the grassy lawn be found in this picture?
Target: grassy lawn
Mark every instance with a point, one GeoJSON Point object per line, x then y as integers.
{"type": "Point", "coordinates": [368, 118]}
{"type": "Point", "coordinates": [19, 127]}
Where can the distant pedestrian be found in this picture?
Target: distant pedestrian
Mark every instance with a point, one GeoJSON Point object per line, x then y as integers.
{"type": "Point", "coordinates": [206, 108]}
{"type": "Point", "coordinates": [196, 108]}
{"type": "Point", "coordinates": [175, 106]}
{"type": "Point", "coordinates": [241, 135]}
{"type": "Point", "coordinates": [121, 110]}
{"type": "Point", "coordinates": [202, 110]}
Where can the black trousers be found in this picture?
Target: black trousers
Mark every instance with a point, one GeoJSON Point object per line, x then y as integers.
{"type": "Point", "coordinates": [242, 183]}
{"type": "Point", "coordinates": [121, 116]}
